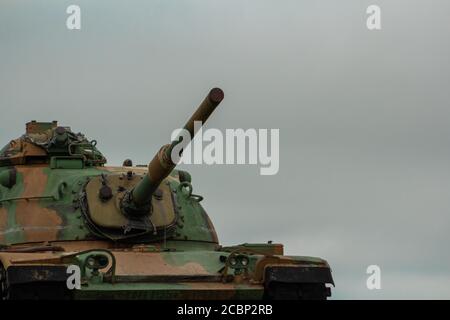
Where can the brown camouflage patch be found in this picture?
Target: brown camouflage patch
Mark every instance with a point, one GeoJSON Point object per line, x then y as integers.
{"type": "Point", "coordinates": [153, 264]}
{"type": "Point", "coordinates": [34, 181]}
{"type": "Point", "coordinates": [38, 223]}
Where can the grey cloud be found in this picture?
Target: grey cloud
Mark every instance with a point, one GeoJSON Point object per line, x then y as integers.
{"type": "Point", "coordinates": [363, 116]}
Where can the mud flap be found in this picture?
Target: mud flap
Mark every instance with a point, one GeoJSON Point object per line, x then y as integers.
{"type": "Point", "coordinates": [37, 282]}
{"type": "Point", "coordinates": [297, 283]}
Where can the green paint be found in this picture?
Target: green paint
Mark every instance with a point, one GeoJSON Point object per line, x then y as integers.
{"type": "Point", "coordinates": [71, 161]}
{"type": "Point", "coordinates": [13, 233]}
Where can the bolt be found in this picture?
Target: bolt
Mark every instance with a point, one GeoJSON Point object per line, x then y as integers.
{"type": "Point", "coordinates": [130, 175]}
{"type": "Point", "coordinates": [158, 194]}
{"type": "Point", "coordinates": [105, 193]}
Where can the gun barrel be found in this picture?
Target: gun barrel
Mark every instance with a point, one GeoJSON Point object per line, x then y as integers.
{"type": "Point", "coordinates": [205, 109]}
{"type": "Point", "coordinates": [162, 164]}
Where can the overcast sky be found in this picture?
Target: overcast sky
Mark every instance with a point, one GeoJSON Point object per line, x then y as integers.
{"type": "Point", "coordinates": [363, 116]}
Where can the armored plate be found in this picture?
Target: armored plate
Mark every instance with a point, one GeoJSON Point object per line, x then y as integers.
{"type": "Point", "coordinates": [107, 214]}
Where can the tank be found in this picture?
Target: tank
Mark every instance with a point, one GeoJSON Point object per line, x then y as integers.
{"type": "Point", "coordinates": [73, 228]}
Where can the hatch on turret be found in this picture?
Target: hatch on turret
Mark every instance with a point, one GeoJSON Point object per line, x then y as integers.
{"type": "Point", "coordinates": [46, 142]}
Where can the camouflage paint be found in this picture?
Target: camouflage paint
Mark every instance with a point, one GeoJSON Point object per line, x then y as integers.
{"type": "Point", "coordinates": [46, 222]}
